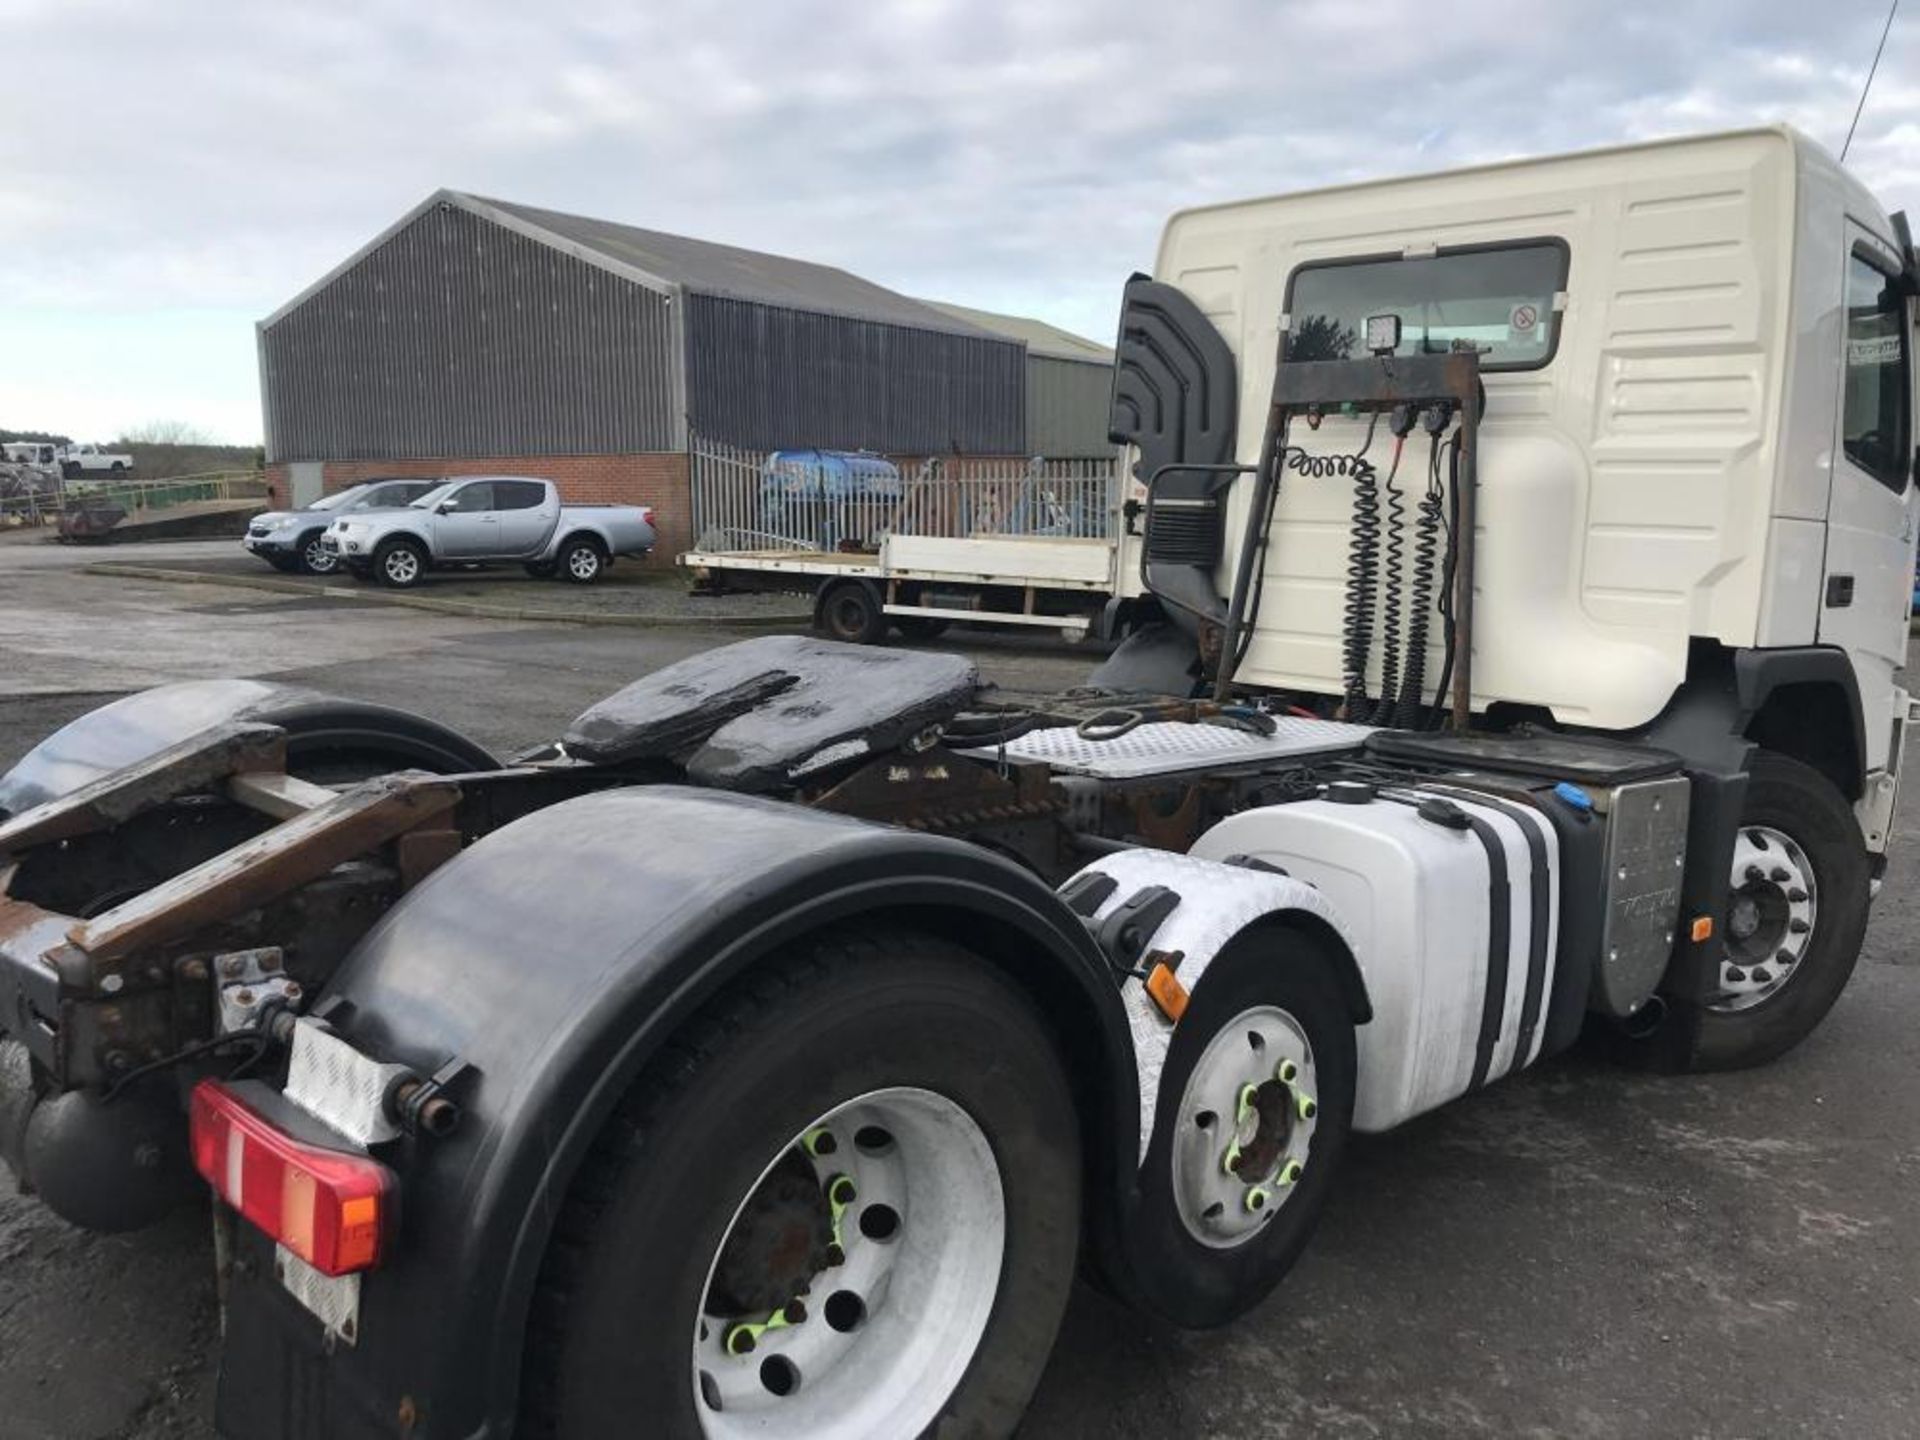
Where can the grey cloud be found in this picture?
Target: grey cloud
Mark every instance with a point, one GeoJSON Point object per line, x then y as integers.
{"type": "Point", "coordinates": [1005, 154]}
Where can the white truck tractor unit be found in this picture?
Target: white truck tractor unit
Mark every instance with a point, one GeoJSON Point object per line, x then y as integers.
{"type": "Point", "coordinates": [1513, 614]}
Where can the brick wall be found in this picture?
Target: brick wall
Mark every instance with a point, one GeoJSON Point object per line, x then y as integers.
{"type": "Point", "coordinates": [659, 480]}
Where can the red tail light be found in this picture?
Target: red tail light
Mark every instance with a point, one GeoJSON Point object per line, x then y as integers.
{"type": "Point", "coordinates": [333, 1210]}
{"type": "Point", "coordinates": [646, 513]}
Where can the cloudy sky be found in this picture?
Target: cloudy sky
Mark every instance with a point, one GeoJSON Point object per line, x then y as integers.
{"type": "Point", "coordinates": [171, 172]}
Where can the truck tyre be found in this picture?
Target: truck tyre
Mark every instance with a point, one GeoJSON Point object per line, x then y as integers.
{"type": "Point", "coordinates": [315, 558]}
{"type": "Point", "coordinates": [849, 611]}
{"type": "Point", "coordinates": [400, 564]}
{"type": "Point", "coordinates": [1255, 1106]}
{"type": "Point", "coordinates": [1796, 917]}
{"type": "Point", "coordinates": [118, 467]}
{"type": "Point", "coordinates": [583, 559]}
{"type": "Point", "coordinates": [845, 1200]}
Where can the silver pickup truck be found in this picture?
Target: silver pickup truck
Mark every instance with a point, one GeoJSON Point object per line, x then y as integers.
{"type": "Point", "coordinates": [489, 518]}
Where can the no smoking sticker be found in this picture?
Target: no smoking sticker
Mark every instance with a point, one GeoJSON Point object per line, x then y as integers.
{"type": "Point", "coordinates": [1522, 318]}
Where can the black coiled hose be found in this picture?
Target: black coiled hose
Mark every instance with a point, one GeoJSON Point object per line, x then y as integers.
{"type": "Point", "coordinates": [1319, 467]}
{"type": "Point", "coordinates": [1363, 565]}
{"type": "Point", "coordinates": [1391, 598]}
{"type": "Point", "coordinates": [1438, 715]}
{"type": "Point", "coordinates": [1426, 546]}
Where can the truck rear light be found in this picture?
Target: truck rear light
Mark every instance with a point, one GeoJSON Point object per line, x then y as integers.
{"type": "Point", "coordinates": [646, 513]}
{"type": "Point", "coordinates": [332, 1209]}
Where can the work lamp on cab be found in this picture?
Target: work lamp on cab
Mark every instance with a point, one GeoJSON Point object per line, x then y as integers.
{"type": "Point", "coordinates": [1383, 334]}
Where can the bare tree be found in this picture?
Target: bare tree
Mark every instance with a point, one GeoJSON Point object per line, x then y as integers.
{"type": "Point", "coordinates": [166, 432]}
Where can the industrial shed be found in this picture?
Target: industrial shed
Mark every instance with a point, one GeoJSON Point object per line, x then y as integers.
{"type": "Point", "coordinates": [1069, 381]}
{"type": "Point", "coordinates": [479, 335]}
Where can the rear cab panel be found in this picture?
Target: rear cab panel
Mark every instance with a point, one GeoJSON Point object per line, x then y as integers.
{"type": "Point", "coordinates": [1656, 446]}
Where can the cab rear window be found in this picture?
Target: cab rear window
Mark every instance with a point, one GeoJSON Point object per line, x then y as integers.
{"type": "Point", "coordinates": [1497, 300]}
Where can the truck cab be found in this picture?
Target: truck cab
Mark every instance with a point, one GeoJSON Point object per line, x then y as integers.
{"type": "Point", "coordinates": [1696, 454]}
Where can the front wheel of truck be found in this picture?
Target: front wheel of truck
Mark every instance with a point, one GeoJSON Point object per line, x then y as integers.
{"type": "Point", "coordinates": [844, 1202]}
{"type": "Point", "coordinates": [1796, 916]}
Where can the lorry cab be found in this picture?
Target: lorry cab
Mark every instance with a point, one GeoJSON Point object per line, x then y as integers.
{"type": "Point", "coordinates": [1697, 443]}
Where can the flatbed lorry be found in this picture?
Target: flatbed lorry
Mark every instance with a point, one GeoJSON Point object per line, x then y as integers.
{"type": "Point", "coordinates": [1013, 543]}
{"type": "Point", "coordinates": [1521, 585]}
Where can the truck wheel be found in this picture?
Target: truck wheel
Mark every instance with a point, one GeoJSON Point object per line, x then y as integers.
{"type": "Point", "coordinates": [1255, 1106]}
{"type": "Point", "coordinates": [1796, 917]}
{"type": "Point", "coordinates": [845, 1202]}
{"type": "Point", "coordinates": [399, 564]}
{"type": "Point", "coordinates": [315, 558]}
{"type": "Point", "coordinates": [850, 612]}
{"type": "Point", "coordinates": [582, 560]}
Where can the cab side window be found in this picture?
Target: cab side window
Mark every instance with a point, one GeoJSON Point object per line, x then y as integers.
{"type": "Point", "coordinates": [471, 498]}
{"type": "Point", "coordinates": [518, 494]}
{"type": "Point", "coordinates": [1875, 428]}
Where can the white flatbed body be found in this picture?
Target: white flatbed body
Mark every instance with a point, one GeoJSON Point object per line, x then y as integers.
{"type": "Point", "coordinates": [1039, 568]}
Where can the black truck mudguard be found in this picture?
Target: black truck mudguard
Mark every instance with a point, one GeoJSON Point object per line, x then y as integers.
{"type": "Point", "coordinates": [553, 958]}
{"type": "Point", "coordinates": [321, 730]}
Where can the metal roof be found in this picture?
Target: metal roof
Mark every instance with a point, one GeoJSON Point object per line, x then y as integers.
{"type": "Point", "coordinates": [727, 270]}
{"type": "Point", "coordinates": [1041, 338]}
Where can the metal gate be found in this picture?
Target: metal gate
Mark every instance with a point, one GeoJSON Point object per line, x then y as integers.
{"type": "Point", "coordinates": [749, 500]}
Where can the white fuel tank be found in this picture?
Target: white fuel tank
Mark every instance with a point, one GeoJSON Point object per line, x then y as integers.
{"type": "Point", "coordinates": [1453, 903]}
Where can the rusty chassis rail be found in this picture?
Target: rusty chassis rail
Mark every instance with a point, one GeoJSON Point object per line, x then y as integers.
{"type": "Point", "coordinates": [94, 995]}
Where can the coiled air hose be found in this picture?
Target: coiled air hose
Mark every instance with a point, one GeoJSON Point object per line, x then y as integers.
{"type": "Point", "coordinates": [1391, 607]}
{"type": "Point", "coordinates": [1426, 545]}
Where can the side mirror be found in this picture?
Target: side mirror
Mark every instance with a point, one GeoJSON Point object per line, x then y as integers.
{"type": "Point", "coordinates": [445, 507]}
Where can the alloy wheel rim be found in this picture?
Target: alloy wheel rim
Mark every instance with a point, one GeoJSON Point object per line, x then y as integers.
{"type": "Point", "coordinates": [319, 559]}
{"type": "Point", "coordinates": [1246, 1124]}
{"type": "Point", "coordinates": [1773, 905]}
{"type": "Point", "coordinates": [403, 566]}
{"type": "Point", "coordinates": [583, 563]}
{"type": "Point", "coordinates": [856, 1278]}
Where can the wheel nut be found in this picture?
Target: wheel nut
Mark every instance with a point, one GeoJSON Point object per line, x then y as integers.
{"type": "Point", "coordinates": [1797, 895]}
{"type": "Point", "coordinates": [1755, 873]}
{"type": "Point", "coordinates": [1736, 976]}
{"type": "Point", "coordinates": [836, 1254]}
{"type": "Point", "coordinates": [1762, 975]}
{"type": "Point", "coordinates": [740, 1340]}
{"type": "Point", "coordinates": [1798, 927]}
{"type": "Point", "coordinates": [1307, 1107]}
{"type": "Point", "coordinates": [1784, 957]}
{"type": "Point", "coordinates": [1780, 875]}
{"type": "Point", "coordinates": [795, 1313]}
{"type": "Point", "coordinates": [821, 1142]}
{"type": "Point", "coordinates": [842, 1191]}
{"type": "Point", "coordinates": [1290, 1172]}
{"type": "Point", "coordinates": [1287, 1071]}
{"type": "Point", "coordinates": [1256, 1200]}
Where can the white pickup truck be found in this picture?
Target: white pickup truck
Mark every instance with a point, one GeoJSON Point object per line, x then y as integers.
{"type": "Point", "coordinates": [93, 460]}
{"type": "Point", "coordinates": [489, 518]}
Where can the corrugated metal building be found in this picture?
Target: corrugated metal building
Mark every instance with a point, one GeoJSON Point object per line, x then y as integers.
{"type": "Point", "coordinates": [479, 335]}
{"type": "Point", "coordinates": [1069, 380]}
